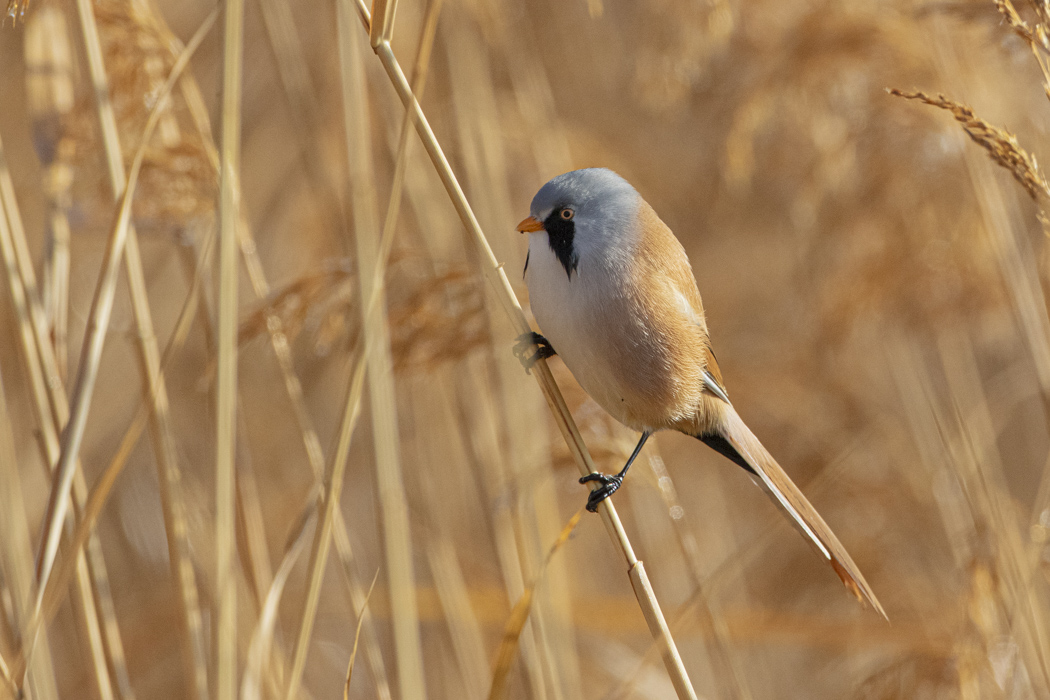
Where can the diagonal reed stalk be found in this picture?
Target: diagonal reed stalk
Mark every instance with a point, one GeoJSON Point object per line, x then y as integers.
{"type": "Point", "coordinates": [226, 373]}
{"type": "Point", "coordinates": [52, 409]}
{"type": "Point", "coordinates": [16, 560]}
{"type": "Point", "coordinates": [45, 394]}
{"type": "Point", "coordinates": [104, 484]}
{"type": "Point", "coordinates": [48, 594]}
{"type": "Point", "coordinates": [154, 391]}
{"type": "Point", "coordinates": [493, 271]}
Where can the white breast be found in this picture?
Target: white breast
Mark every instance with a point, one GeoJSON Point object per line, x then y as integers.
{"type": "Point", "coordinates": [583, 318]}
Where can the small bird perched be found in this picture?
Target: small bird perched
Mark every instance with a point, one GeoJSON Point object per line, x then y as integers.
{"type": "Point", "coordinates": [612, 289]}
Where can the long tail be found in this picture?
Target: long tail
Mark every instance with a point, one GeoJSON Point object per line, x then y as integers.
{"type": "Point", "coordinates": [737, 437]}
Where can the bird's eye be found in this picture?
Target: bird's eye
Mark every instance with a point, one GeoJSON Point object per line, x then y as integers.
{"type": "Point", "coordinates": [566, 214]}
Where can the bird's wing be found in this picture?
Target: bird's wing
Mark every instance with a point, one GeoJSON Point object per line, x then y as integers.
{"type": "Point", "coordinates": [713, 375]}
{"type": "Point", "coordinates": [778, 485]}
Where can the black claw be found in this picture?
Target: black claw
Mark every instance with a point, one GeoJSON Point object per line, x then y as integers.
{"type": "Point", "coordinates": [609, 485]}
{"type": "Point", "coordinates": [528, 357]}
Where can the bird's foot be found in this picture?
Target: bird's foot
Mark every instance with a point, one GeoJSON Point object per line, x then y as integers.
{"type": "Point", "coordinates": [609, 485]}
{"type": "Point", "coordinates": [531, 348]}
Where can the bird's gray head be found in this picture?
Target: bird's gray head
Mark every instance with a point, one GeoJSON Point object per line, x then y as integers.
{"type": "Point", "coordinates": [588, 217]}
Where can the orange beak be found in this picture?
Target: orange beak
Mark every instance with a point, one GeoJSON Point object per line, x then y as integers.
{"type": "Point", "coordinates": [530, 224]}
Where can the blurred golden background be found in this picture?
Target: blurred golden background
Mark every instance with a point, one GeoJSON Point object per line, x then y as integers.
{"type": "Point", "coordinates": [874, 285]}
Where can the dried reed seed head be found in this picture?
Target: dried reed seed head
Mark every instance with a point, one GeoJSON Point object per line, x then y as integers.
{"type": "Point", "coordinates": [1018, 25]}
{"type": "Point", "coordinates": [1001, 145]}
{"type": "Point", "coordinates": [432, 320]}
{"type": "Point", "coordinates": [177, 185]}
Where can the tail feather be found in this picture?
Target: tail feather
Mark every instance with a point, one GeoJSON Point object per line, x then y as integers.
{"type": "Point", "coordinates": [803, 515]}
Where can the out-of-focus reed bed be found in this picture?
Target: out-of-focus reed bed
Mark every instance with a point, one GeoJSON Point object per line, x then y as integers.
{"type": "Point", "coordinates": [873, 281]}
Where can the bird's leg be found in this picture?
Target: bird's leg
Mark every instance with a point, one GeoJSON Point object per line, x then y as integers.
{"type": "Point", "coordinates": [609, 484]}
{"type": "Point", "coordinates": [523, 350]}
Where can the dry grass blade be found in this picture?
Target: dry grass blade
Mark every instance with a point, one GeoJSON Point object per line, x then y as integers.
{"type": "Point", "coordinates": [48, 402]}
{"type": "Point", "coordinates": [16, 561]}
{"type": "Point", "coordinates": [259, 648]}
{"type": "Point", "coordinates": [520, 615]}
{"type": "Point", "coordinates": [48, 593]}
{"type": "Point", "coordinates": [373, 243]}
{"type": "Point", "coordinates": [103, 486]}
{"type": "Point", "coordinates": [357, 638]}
{"type": "Point", "coordinates": [371, 272]}
{"type": "Point", "coordinates": [322, 540]}
{"type": "Point", "coordinates": [155, 393]}
{"type": "Point", "coordinates": [1001, 145]}
{"type": "Point", "coordinates": [226, 373]}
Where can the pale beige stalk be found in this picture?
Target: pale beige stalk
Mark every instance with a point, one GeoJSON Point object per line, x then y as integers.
{"type": "Point", "coordinates": [44, 608]}
{"type": "Point", "coordinates": [154, 391]}
{"type": "Point", "coordinates": [371, 261]}
{"type": "Point", "coordinates": [226, 372]}
{"type": "Point", "coordinates": [286, 49]}
{"type": "Point", "coordinates": [50, 403]}
{"type": "Point", "coordinates": [16, 557]}
{"type": "Point", "coordinates": [494, 273]}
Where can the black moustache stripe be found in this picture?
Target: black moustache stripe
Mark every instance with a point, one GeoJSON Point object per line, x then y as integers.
{"type": "Point", "coordinates": [560, 234]}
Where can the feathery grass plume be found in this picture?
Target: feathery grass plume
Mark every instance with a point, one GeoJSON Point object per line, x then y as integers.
{"type": "Point", "coordinates": [1001, 145]}
{"type": "Point", "coordinates": [178, 181]}
{"type": "Point", "coordinates": [433, 320]}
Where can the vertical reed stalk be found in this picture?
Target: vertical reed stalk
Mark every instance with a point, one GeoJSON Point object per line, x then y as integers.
{"type": "Point", "coordinates": [226, 373]}
{"type": "Point", "coordinates": [372, 252]}
{"type": "Point", "coordinates": [283, 352]}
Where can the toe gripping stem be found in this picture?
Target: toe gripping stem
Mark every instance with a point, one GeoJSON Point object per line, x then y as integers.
{"type": "Point", "coordinates": [609, 484]}
{"type": "Point", "coordinates": [531, 348]}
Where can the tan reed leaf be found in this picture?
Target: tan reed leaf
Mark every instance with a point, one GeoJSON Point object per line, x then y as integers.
{"type": "Point", "coordinates": [1001, 145]}
{"type": "Point", "coordinates": [103, 486]}
{"type": "Point", "coordinates": [49, 402]}
{"type": "Point", "coordinates": [373, 242]}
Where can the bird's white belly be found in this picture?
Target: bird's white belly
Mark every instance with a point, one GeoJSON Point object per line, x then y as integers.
{"type": "Point", "coordinates": [574, 315]}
